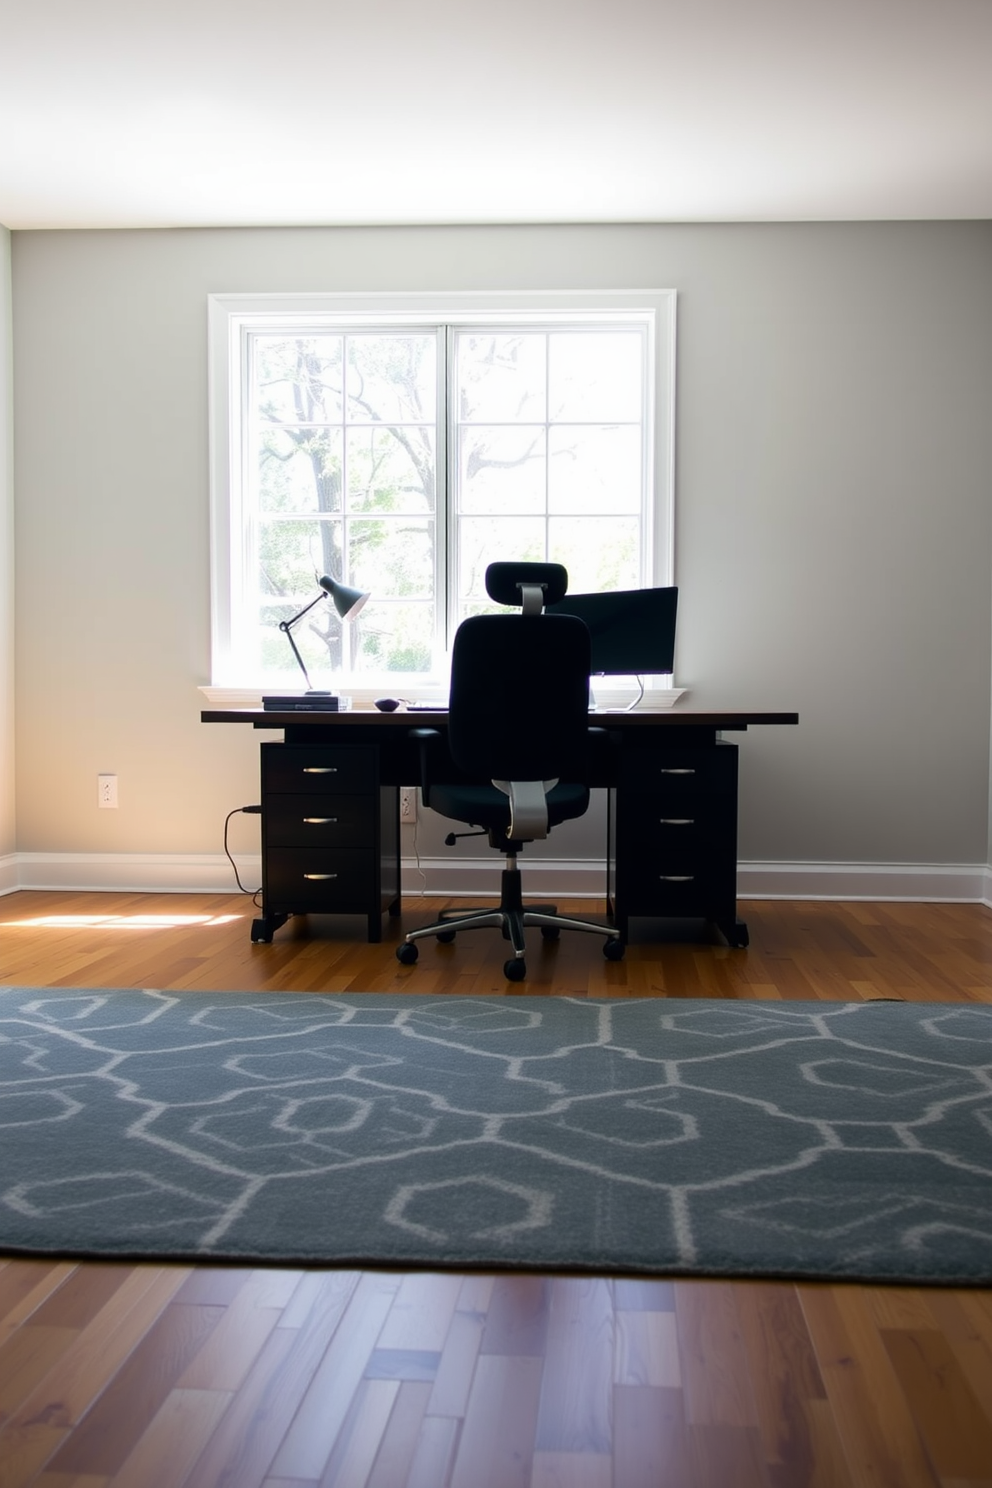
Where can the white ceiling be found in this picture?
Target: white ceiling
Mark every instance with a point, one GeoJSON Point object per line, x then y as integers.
{"type": "Point", "coordinates": [158, 113]}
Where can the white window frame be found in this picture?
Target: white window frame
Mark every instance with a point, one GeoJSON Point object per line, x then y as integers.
{"type": "Point", "coordinates": [232, 316]}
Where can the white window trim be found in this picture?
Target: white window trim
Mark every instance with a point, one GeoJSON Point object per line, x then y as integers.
{"type": "Point", "coordinates": [230, 315]}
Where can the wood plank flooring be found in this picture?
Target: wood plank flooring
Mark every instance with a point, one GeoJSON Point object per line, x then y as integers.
{"type": "Point", "coordinates": [216, 1377]}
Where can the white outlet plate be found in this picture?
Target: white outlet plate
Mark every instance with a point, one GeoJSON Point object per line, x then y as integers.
{"type": "Point", "coordinates": [408, 803]}
{"type": "Point", "coordinates": [106, 791]}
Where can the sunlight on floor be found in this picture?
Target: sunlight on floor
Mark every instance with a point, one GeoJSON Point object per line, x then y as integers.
{"type": "Point", "coordinates": [119, 922]}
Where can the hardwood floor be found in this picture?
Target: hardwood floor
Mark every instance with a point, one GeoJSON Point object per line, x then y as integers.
{"type": "Point", "coordinates": [186, 1377]}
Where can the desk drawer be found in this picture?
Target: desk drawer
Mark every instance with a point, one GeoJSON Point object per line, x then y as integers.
{"type": "Point", "coordinates": [320, 821]}
{"type": "Point", "coordinates": [677, 844]}
{"type": "Point", "coordinates": [299, 769]}
{"type": "Point", "coordinates": [708, 894]}
{"type": "Point", "coordinates": [686, 781]}
{"type": "Point", "coordinates": [331, 881]}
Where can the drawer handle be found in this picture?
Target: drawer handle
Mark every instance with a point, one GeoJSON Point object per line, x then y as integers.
{"type": "Point", "coordinates": [319, 821]}
{"type": "Point", "coordinates": [676, 877]}
{"type": "Point", "coordinates": [320, 769]}
{"type": "Point", "coordinates": [671, 770]}
{"type": "Point", "coordinates": [320, 876]}
{"type": "Point", "coordinates": [677, 821]}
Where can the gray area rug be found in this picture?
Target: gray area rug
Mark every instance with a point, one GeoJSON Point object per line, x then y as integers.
{"type": "Point", "coordinates": [687, 1138]}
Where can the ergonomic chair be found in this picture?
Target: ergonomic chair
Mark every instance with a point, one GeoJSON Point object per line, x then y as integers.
{"type": "Point", "coordinates": [515, 759]}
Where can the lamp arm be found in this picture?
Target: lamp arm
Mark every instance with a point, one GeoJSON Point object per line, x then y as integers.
{"type": "Point", "coordinates": [286, 626]}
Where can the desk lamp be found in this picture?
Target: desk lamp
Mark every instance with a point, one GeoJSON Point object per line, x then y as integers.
{"type": "Point", "coordinates": [347, 602]}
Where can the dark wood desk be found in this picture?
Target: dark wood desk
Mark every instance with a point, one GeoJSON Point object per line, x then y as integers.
{"type": "Point", "coordinates": [330, 811]}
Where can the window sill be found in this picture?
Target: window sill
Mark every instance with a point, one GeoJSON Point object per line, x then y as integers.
{"type": "Point", "coordinates": [606, 699]}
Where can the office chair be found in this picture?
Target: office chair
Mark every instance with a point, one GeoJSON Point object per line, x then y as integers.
{"type": "Point", "coordinates": [515, 758]}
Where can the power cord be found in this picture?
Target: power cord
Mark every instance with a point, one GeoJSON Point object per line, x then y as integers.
{"type": "Point", "coordinates": [248, 811]}
{"type": "Point", "coordinates": [416, 854]}
{"type": "Point", "coordinates": [631, 706]}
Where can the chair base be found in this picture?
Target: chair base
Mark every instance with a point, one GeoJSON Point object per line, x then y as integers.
{"type": "Point", "coordinates": [512, 917]}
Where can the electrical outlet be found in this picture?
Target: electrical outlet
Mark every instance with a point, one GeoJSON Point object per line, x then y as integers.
{"type": "Point", "coordinates": [106, 790]}
{"type": "Point", "coordinates": [408, 803]}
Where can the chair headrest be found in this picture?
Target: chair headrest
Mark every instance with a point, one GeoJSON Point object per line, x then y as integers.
{"type": "Point", "coordinates": [504, 581]}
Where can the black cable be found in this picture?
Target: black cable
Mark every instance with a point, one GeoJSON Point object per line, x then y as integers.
{"type": "Point", "coordinates": [249, 811]}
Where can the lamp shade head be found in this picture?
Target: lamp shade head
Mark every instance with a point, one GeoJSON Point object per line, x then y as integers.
{"type": "Point", "coordinates": [346, 601]}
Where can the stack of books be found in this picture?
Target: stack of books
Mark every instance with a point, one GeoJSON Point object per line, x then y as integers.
{"type": "Point", "coordinates": [308, 702]}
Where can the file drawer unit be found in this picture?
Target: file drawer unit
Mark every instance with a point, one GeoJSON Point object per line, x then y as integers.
{"type": "Point", "coordinates": [673, 837]}
{"type": "Point", "coordinates": [330, 836]}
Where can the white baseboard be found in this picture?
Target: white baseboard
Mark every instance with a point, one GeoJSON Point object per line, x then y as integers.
{"type": "Point", "coordinates": [143, 873]}
{"type": "Point", "coordinates": [925, 882]}
{"type": "Point", "coordinates": [211, 873]}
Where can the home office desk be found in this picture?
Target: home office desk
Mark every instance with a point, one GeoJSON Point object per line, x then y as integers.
{"type": "Point", "coordinates": [330, 811]}
{"type": "Point", "coordinates": [330, 835]}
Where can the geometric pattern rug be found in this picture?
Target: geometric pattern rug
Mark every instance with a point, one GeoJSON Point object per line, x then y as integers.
{"type": "Point", "coordinates": [655, 1136]}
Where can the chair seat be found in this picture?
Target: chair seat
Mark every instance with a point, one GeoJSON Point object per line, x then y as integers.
{"type": "Point", "coordinates": [485, 806]}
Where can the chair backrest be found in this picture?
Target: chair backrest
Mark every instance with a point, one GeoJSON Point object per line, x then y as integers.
{"type": "Point", "coordinates": [519, 700]}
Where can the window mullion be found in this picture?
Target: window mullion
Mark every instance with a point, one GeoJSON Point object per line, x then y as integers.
{"type": "Point", "coordinates": [547, 446]}
{"type": "Point", "coordinates": [247, 484]}
{"type": "Point", "coordinates": [448, 483]}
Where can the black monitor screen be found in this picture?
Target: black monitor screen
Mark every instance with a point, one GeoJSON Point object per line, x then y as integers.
{"type": "Point", "coordinates": [632, 630]}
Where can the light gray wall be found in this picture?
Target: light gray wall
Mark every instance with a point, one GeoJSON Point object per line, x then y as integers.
{"type": "Point", "coordinates": [7, 808]}
{"type": "Point", "coordinates": [834, 475]}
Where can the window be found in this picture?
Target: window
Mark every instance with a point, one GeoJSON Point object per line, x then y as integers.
{"type": "Point", "coordinates": [402, 443]}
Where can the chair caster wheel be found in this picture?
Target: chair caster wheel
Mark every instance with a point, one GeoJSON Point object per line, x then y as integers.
{"type": "Point", "coordinates": [445, 937]}
{"type": "Point", "coordinates": [514, 970]}
{"type": "Point", "coordinates": [407, 953]}
{"type": "Point", "coordinates": [550, 932]}
{"type": "Point", "coordinates": [613, 949]}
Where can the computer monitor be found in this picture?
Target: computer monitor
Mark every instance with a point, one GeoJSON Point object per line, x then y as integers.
{"type": "Point", "coordinates": [632, 630]}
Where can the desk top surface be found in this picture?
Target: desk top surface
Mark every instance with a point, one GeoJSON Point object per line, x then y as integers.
{"type": "Point", "coordinates": [674, 717]}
